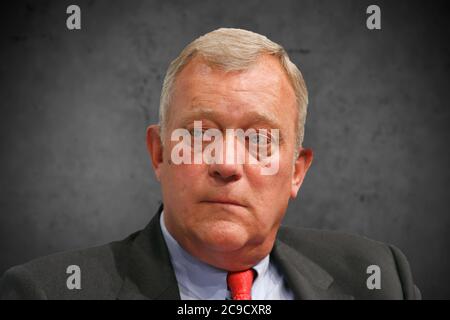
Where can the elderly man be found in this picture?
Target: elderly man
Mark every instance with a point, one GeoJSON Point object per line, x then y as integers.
{"type": "Point", "coordinates": [217, 234]}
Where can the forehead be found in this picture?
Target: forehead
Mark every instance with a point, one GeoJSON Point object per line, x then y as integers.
{"type": "Point", "coordinates": [263, 88]}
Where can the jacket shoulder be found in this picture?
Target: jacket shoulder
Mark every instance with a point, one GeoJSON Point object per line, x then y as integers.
{"type": "Point", "coordinates": [98, 269]}
{"type": "Point", "coordinates": [351, 259]}
{"type": "Point", "coordinates": [314, 240]}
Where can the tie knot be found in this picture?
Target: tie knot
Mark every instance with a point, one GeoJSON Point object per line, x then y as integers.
{"type": "Point", "coordinates": [240, 284]}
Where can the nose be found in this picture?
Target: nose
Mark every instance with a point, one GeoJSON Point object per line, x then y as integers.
{"type": "Point", "coordinates": [225, 171]}
{"type": "Point", "coordinates": [228, 170]}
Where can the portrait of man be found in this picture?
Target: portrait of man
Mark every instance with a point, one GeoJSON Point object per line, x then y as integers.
{"type": "Point", "coordinates": [232, 104]}
{"type": "Point", "coordinates": [205, 152]}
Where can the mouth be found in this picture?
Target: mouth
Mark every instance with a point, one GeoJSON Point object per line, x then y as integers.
{"type": "Point", "coordinates": [223, 201]}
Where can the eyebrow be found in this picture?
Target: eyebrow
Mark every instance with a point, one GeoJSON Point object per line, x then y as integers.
{"type": "Point", "coordinates": [256, 116]}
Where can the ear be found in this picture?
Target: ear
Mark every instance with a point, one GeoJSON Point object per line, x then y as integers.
{"type": "Point", "coordinates": [301, 166]}
{"type": "Point", "coordinates": [155, 149]}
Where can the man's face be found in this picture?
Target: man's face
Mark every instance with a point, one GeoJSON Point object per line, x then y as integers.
{"type": "Point", "coordinates": [224, 208]}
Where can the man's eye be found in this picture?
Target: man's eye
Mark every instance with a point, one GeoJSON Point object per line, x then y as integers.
{"type": "Point", "coordinates": [259, 138]}
{"type": "Point", "coordinates": [197, 133]}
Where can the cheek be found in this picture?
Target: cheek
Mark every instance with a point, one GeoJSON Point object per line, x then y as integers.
{"type": "Point", "coordinates": [274, 184]}
{"type": "Point", "coordinates": [180, 181]}
{"type": "Point", "coordinates": [271, 193]}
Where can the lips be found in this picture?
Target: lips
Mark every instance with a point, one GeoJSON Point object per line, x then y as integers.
{"type": "Point", "coordinates": [223, 200]}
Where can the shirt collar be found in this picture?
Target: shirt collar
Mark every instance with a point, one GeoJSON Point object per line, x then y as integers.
{"type": "Point", "coordinates": [201, 280]}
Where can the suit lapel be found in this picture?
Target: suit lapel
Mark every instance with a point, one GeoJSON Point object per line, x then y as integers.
{"type": "Point", "coordinates": [306, 279]}
{"type": "Point", "coordinates": [149, 273]}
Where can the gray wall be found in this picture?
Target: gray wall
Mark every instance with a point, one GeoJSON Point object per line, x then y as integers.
{"type": "Point", "coordinates": [75, 105]}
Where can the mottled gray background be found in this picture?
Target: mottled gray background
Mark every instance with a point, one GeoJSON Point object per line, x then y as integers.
{"type": "Point", "coordinates": [75, 105]}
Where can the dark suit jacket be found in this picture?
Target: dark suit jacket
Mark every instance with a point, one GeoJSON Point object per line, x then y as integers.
{"type": "Point", "coordinates": [316, 265]}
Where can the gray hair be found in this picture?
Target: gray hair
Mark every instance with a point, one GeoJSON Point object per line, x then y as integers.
{"type": "Point", "coordinates": [235, 50]}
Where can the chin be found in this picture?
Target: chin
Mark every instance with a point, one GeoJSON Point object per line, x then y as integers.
{"type": "Point", "coordinates": [224, 236]}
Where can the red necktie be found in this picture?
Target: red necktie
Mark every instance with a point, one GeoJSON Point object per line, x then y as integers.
{"type": "Point", "coordinates": [240, 284]}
